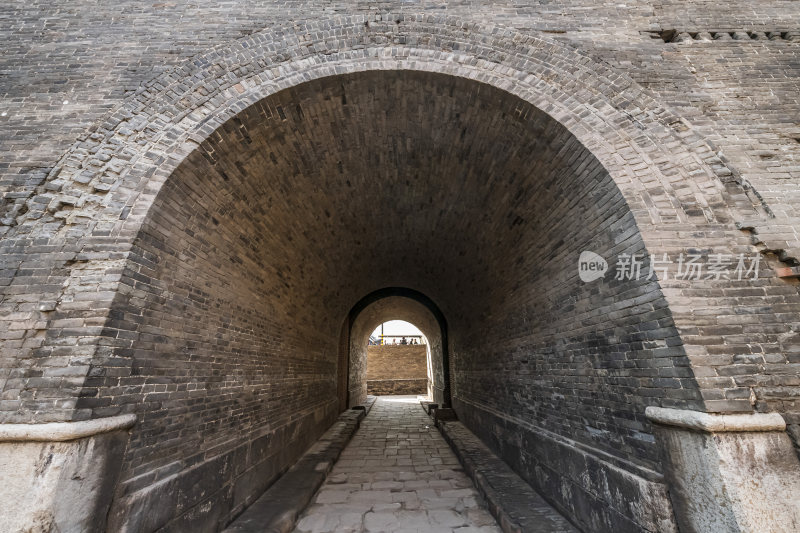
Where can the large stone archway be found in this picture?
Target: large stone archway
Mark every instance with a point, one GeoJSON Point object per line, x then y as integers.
{"type": "Point", "coordinates": [262, 238]}
{"type": "Point", "coordinates": [201, 246]}
{"type": "Point", "coordinates": [97, 197]}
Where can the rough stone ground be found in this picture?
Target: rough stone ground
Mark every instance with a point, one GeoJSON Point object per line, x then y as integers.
{"type": "Point", "coordinates": [397, 474]}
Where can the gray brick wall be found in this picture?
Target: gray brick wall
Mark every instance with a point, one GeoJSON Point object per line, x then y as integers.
{"type": "Point", "coordinates": [213, 304]}
{"type": "Point", "coordinates": [400, 369]}
{"type": "Point", "coordinates": [397, 362]}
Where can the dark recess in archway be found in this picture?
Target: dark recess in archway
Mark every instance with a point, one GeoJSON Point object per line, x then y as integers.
{"type": "Point", "coordinates": [373, 297]}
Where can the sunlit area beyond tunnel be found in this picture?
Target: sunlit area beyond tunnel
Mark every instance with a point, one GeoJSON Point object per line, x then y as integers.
{"type": "Point", "coordinates": [398, 361]}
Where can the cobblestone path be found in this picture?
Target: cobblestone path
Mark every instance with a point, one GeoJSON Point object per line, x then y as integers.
{"type": "Point", "coordinates": [397, 474]}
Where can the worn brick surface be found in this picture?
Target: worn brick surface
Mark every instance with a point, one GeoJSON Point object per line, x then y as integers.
{"type": "Point", "coordinates": [186, 222]}
{"type": "Point", "coordinates": [397, 369]}
{"type": "Point", "coordinates": [401, 362]}
{"type": "Point", "coordinates": [398, 386]}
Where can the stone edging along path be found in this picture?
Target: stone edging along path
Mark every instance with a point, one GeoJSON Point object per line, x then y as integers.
{"type": "Point", "coordinates": [515, 504]}
{"type": "Point", "coordinates": [277, 510]}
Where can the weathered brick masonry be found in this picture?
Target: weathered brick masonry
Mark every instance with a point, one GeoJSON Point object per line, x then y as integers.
{"type": "Point", "coordinates": [397, 369]}
{"type": "Point", "coordinates": [195, 197]}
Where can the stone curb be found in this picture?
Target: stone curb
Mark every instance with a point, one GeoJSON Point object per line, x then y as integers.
{"type": "Point", "coordinates": [428, 406]}
{"type": "Point", "coordinates": [715, 423]}
{"type": "Point", "coordinates": [64, 431]}
{"type": "Point", "coordinates": [277, 510]}
{"type": "Point", "coordinates": [516, 505]}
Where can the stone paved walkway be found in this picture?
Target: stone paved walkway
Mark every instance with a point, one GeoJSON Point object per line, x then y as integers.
{"type": "Point", "coordinates": [399, 475]}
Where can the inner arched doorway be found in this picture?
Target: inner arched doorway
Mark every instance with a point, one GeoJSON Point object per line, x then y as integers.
{"type": "Point", "coordinates": [401, 304]}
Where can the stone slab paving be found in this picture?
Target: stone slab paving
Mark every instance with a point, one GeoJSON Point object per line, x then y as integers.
{"type": "Point", "coordinates": [397, 474]}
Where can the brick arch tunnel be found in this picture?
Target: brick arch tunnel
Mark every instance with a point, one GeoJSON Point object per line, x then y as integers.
{"type": "Point", "coordinates": [175, 285]}
{"type": "Point", "coordinates": [394, 303]}
{"type": "Point", "coordinates": [290, 213]}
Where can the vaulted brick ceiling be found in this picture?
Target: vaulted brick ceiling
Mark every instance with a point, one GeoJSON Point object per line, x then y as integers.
{"type": "Point", "coordinates": [345, 185]}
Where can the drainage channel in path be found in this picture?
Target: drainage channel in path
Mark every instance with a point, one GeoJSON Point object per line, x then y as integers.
{"type": "Point", "coordinates": [397, 474]}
